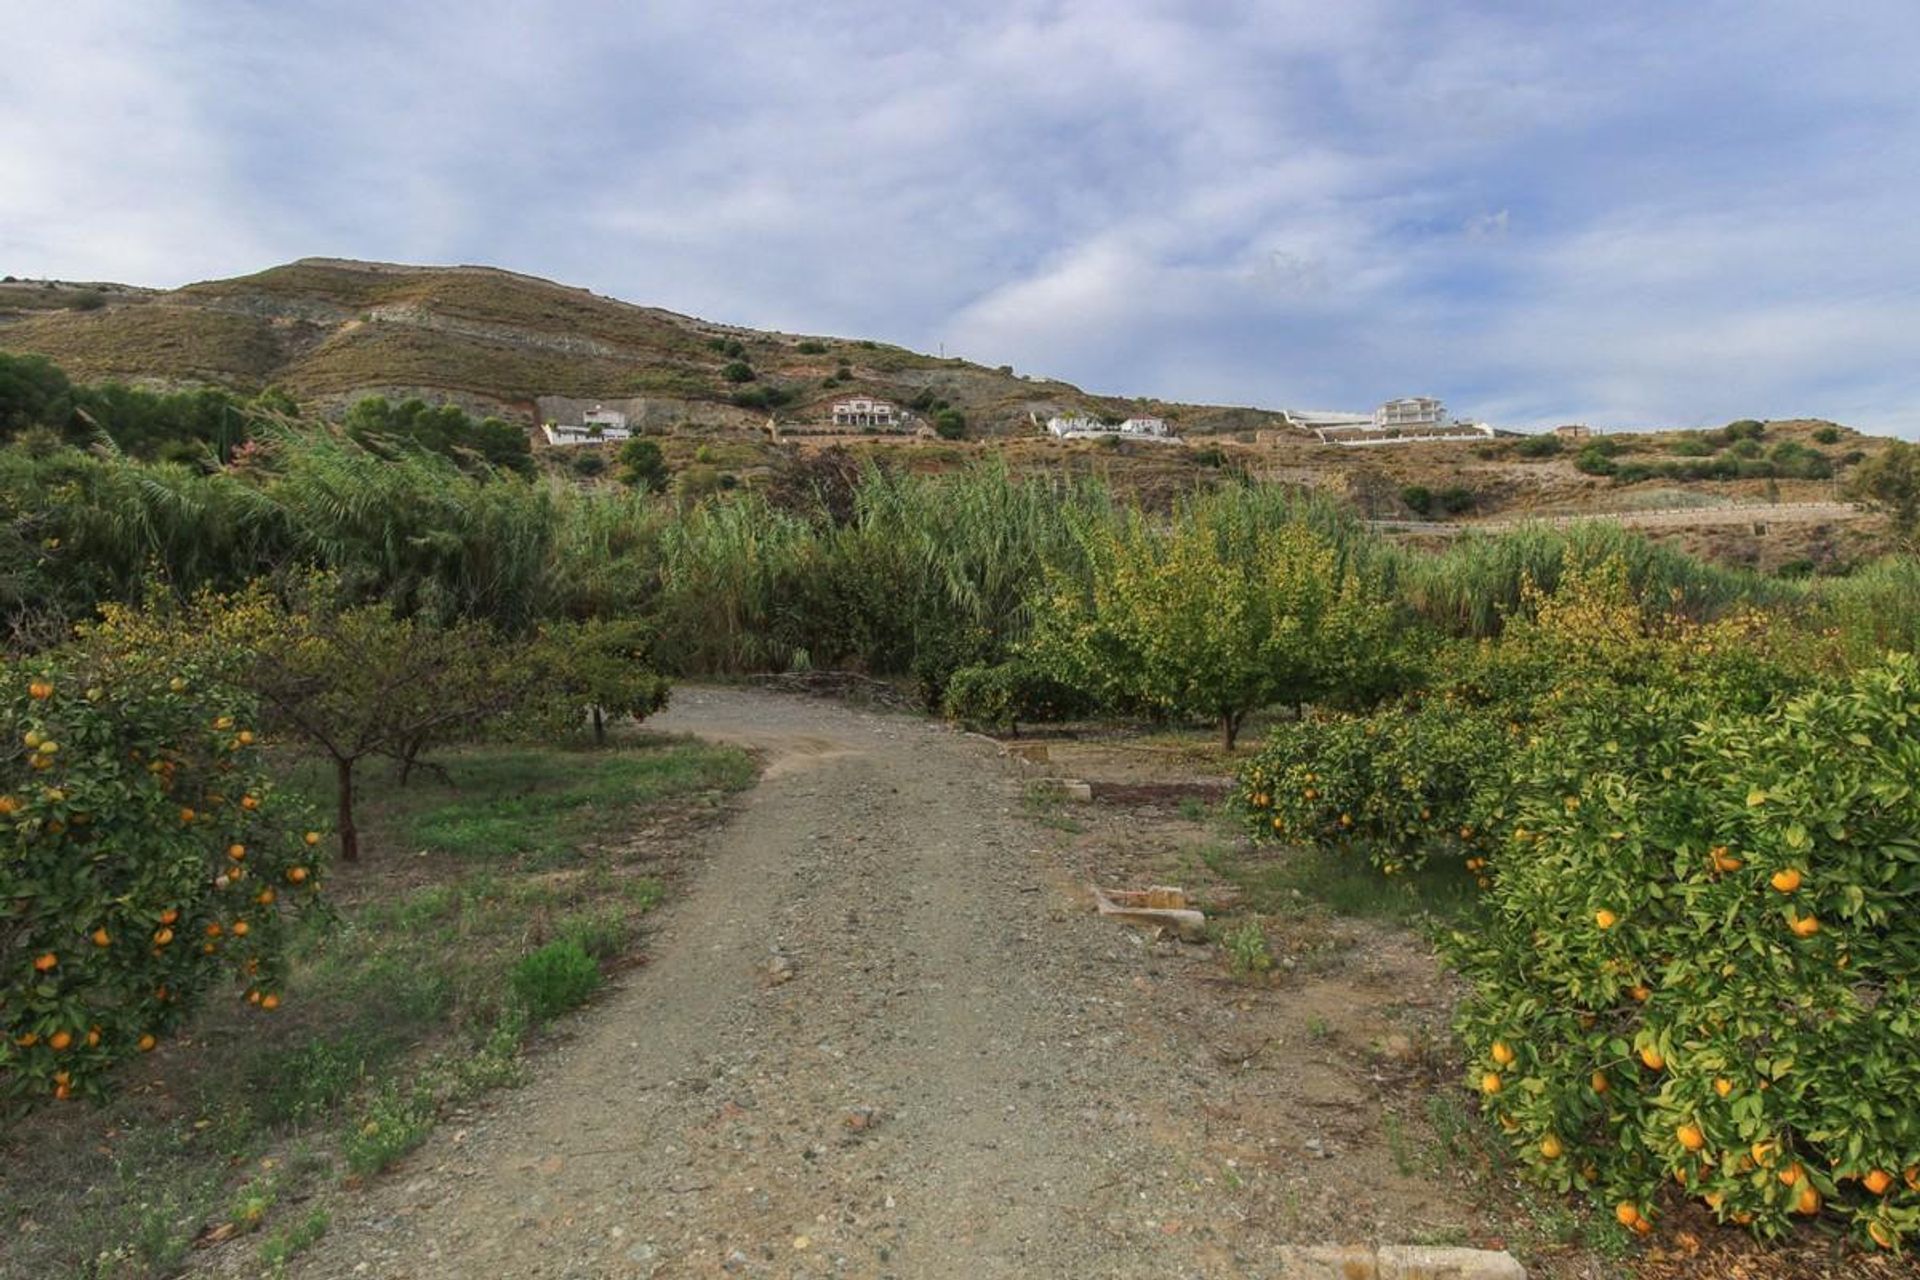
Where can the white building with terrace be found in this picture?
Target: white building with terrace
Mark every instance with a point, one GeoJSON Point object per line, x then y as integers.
{"type": "Point", "coordinates": [1081, 427]}
{"type": "Point", "coordinates": [862, 412]}
{"type": "Point", "coordinates": [597, 425]}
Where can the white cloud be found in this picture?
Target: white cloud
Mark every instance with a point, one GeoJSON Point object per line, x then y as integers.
{"type": "Point", "coordinates": [1635, 213]}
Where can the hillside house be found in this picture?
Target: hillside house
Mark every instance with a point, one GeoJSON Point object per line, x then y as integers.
{"type": "Point", "coordinates": [596, 426]}
{"type": "Point", "coordinates": [1573, 431]}
{"type": "Point", "coordinates": [1411, 413]}
{"type": "Point", "coordinates": [862, 412]}
{"type": "Point", "coordinates": [1081, 427]}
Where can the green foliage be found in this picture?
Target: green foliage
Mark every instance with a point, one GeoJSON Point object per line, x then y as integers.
{"type": "Point", "coordinates": [33, 393]}
{"type": "Point", "coordinates": [810, 347]}
{"type": "Point", "coordinates": [144, 857]}
{"type": "Point", "coordinates": [1709, 910]}
{"type": "Point", "coordinates": [348, 681]}
{"type": "Point", "coordinates": [1010, 693]}
{"type": "Point", "coordinates": [1220, 614]}
{"type": "Point", "coordinates": [737, 371]}
{"type": "Point", "coordinates": [443, 429]}
{"type": "Point", "coordinates": [1827, 434]}
{"type": "Point", "coordinates": [643, 465]}
{"type": "Point", "coordinates": [950, 424]}
{"type": "Point", "coordinates": [1417, 498]}
{"type": "Point", "coordinates": [1889, 482]}
{"type": "Point", "coordinates": [1540, 446]}
{"type": "Point", "coordinates": [557, 977]}
{"type": "Point", "coordinates": [1246, 948]}
{"type": "Point", "coordinates": [597, 669]}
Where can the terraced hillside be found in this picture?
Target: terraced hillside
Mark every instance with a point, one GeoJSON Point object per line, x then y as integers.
{"type": "Point", "coordinates": [329, 331]}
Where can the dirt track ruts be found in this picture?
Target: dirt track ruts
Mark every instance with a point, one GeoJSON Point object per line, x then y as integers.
{"type": "Point", "coordinates": [935, 1092]}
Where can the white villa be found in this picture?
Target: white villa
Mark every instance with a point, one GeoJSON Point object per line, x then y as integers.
{"type": "Point", "coordinates": [1413, 412]}
{"type": "Point", "coordinates": [1403, 421]}
{"type": "Point", "coordinates": [1081, 427]}
{"type": "Point", "coordinates": [597, 426]}
{"type": "Point", "coordinates": [865, 411]}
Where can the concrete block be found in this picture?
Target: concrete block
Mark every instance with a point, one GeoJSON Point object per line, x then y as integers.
{"type": "Point", "coordinates": [1327, 1262]}
{"type": "Point", "coordinates": [1423, 1262]}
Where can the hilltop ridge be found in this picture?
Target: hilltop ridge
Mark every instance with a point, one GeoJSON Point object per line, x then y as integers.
{"type": "Point", "coordinates": [330, 330]}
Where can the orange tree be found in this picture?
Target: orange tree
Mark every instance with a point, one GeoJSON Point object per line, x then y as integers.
{"type": "Point", "coordinates": [1216, 615]}
{"type": "Point", "coordinates": [145, 859]}
{"type": "Point", "coordinates": [1701, 959]}
{"type": "Point", "coordinates": [351, 681]}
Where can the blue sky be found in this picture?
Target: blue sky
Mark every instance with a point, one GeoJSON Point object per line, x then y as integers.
{"type": "Point", "coordinates": [1628, 213]}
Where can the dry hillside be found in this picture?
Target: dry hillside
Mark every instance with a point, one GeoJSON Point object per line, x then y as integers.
{"type": "Point", "coordinates": [493, 341]}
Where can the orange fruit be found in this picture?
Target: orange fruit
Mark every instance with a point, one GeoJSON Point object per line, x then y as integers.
{"type": "Point", "coordinates": [1626, 1213]}
{"type": "Point", "coordinates": [1790, 1175]}
{"type": "Point", "coordinates": [1502, 1054]}
{"type": "Point", "coordinates": [1808, 1202]}
{"type": "Point", "coordinates": [60, 1040]}
{"type": "Point", "coordinates": [1651, 1056]}
{"type": "Point", "coordinates": [1912, 1177]}
{"type": "Point", "coordinates": [161, 937]}
{"type": "Point", "coordinates": [264, 897]}
{"type": "Point", "coordinates": [1690, 1137]}
{"type": "Point", "coordinates": [1490, 1083]}
{"type": "Point", "coordinates": [1643, 1228]}
{"type": "Point", "coordinates": [270, 1002]}
{"type": "Point", "coordinates": [249, 802]}
{"type": "Point", "coordinates": [187, 815]}
{"type": "Point", "coordinates": [312, 838]}
{"type": "Point", "coordinates": [45, 962]}
{"type": "Point", "coordinates": [1882, 1235]}
{"type": "Point", "coordinates": [1600, 1083]}
{"type": "Point", "coordinates": [240, 928]}
{"type": "Point", "coordinates": [40, 690]}
{"type": "Point", "coordinates": [1639, 993]}
{"type": "Point", "coordinates": [1803, 926]}
{"type": "Point", "coordinates": [1605, 918]}
{"type": "Point", "coordinates": [147, 1042]}
{"type": "Point", "coordinates": [1550, 1147]}
{"type": "Point", "coordinates": [297, 874]}
{"type": "Point", "coordinates": [101, 937]}
{"type": "Point", "coordinates": [1877, 1181]}
{"type": "Point", "coordinates": [169, 916]}
{"type": "Point", "coordinates": [253, 997]}
{"type": "Point", "coordinates": [1785, 881]}
{"type": "Point", "coordinates": [213, 930]}
{"type": "Point", "coordinates": [1723, 1086]}
{"type": "Point", "coordinates": [93, 1037]}
{"type": "Point", "coordinates": [236, 851]}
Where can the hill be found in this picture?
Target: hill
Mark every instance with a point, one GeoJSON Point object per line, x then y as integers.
{"type": "Point", "coordinates": [329, 331]}
{"type": "Point", "coordinates": [495, 342]}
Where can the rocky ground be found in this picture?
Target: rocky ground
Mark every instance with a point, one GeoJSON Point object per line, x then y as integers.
{"type": "Point", "coordinates": [884, 1035]}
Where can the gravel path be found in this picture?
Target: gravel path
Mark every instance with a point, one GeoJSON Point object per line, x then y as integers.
{"type": "Point", "coordinates": [873, 1040]}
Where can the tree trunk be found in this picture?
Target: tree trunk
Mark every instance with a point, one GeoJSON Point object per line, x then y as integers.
{"type": "Point", "coordinates": [343, 782]}
{"type": "Point", "coordinates": [599, 728]}
{"type": "Point", "coordinates": [1230, 728]}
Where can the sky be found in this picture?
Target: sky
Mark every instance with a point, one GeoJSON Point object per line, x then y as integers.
{"type": "Point", "coordinates": [1628, 214]}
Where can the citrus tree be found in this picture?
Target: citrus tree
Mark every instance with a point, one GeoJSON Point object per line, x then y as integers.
{"type": "Point", "coordinates": [350, 681]}
{"type": "Point", "coordinates": [1214, 616]}
{"type": "Point", "coordinates": [145, 860]}
{"type": "Point", "coordinates": [1702, 961]}
{"type": "Point", "coordinates": [604, 668]}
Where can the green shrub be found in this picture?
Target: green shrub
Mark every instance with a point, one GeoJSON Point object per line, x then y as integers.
{"type": "Point", "coordinates": [1009, 694]}
{"type": "Point", "coordinates": [809, 347]}
{"type": "Point", "coordinates": [558, 977]}
{"type": "Point", "coordinates": [1417, 498]}
{"type": "Point", "coordinates": [1828, 434]}
{"type": "Point", "coordinates": [1701, 962]}
{"type": "Point", "coordinates": [950, 424]}
{"type": "Point", "coordinates": [1541, 446]}
{"type": "Point", "coordinates": [737, 371]}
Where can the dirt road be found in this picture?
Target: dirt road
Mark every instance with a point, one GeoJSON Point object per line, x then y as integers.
{"type": "Point", "coordinates": [880, 1036]}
